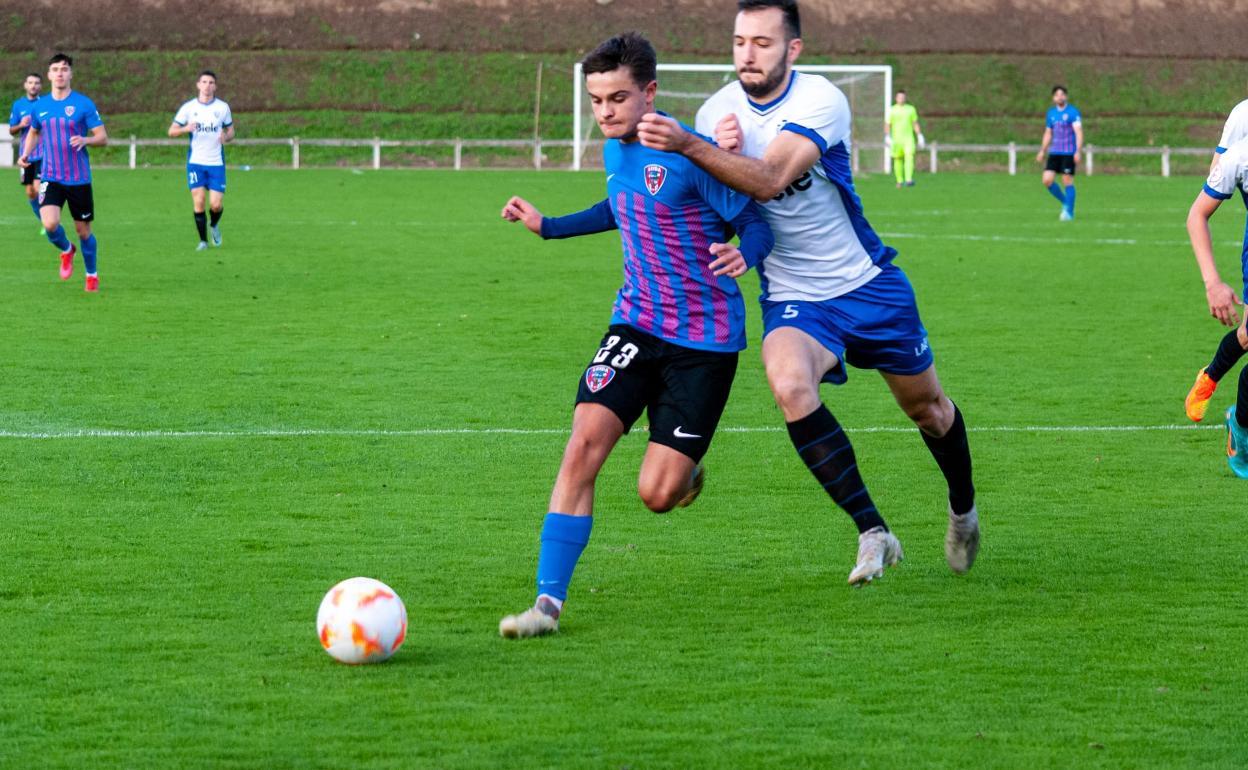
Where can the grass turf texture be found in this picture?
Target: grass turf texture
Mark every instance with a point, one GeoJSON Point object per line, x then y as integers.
{"type": "Point", "coordinates": [159, 592]}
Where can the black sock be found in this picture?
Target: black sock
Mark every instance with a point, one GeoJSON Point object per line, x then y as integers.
{"type": "Point", "coordinates": [953, 454]}
{"type": "Point", "coordinates": [1241, 400]}
{"type": "Point", "coordinates": [824, 447]}
{"type": "Point", "coordinates": [216, 216]}
{"type": "Point", "coordinates": [201, 224]}
{"type": "Point", "coordinates": [1229, 353]}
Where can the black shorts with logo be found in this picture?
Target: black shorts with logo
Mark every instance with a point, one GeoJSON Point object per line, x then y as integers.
{"type": "Point", "coordinates": [30, 173]}
{"type": "Point", "coordinates": [78, 196]}
{"type": "Point", "coordinates": [1061, 164]}
{"type": "Point", "coordinates": [683, 390]}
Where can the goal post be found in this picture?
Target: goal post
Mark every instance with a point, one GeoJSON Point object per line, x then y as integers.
{"type": "Point", "coordinates": [684, 87]}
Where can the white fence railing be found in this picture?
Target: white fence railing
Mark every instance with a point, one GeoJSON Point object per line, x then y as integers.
{"type": "Point", "coordinates": [1010, 151]}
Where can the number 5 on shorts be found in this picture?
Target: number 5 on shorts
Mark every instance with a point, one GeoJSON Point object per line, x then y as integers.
{"type": "Point", "coordinates": [790, 311]}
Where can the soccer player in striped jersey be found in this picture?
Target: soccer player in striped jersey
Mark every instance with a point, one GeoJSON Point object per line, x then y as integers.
{"type": "Point", "coordinates": [1228, 176]}
{"type": "Point", "coordinates": [211, 125]}
{"type": "Point", "coordinates": [19, 126]}
{"type": "Point", "coordinates": [65, 123]}
{"type": "Point", "coordinates": [1063, 141]}
{"type": "Point", "coordinates": [831, 291]}
{"type": "Point", "coordinates": [676, 328]}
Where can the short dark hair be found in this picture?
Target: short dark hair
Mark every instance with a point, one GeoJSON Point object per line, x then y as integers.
{"type": "Point", "coordinates": [61, 57]}
{"type": "Point", "coordinates": [901, 90]}
{"type": "Point", "coordinates": [630, 50]}
{"type": "Point", "coordinates": [792, 20]}
{"type": "Point", "coordinates": [209, 73]}
{"type": "Point", "coordinates": [1058, 87]}
{"type": "Point", "coordinates": [33, 75]}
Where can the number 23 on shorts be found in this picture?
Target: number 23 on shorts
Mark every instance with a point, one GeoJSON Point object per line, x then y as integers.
{"type": "Point", "coordinates": [623, 358]}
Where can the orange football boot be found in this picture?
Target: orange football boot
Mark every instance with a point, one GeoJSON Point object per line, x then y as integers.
{"type": "Point", "coordinates": [1198, 397]}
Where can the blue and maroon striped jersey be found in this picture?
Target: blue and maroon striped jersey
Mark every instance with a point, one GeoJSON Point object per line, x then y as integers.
{"type": "Point", "coordinates": [669, 212]}
{"type": "Point", "coordinates": [1063, 123]}
{"type": "Point", "coordinates": [21, 108]}
{"type": "Point", "coordinates": [58, 120]}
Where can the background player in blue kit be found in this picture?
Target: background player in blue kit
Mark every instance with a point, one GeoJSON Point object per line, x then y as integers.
{"type": "Point", "coordinates": [1063, 141]}
{"type": "Point", "coordinates": [19, 126]}
{"type": "Point", "coordinates": [65, 123]}
{"type": "Point", "coordinates": [211, 125]}
{"type": "Point", "coordinates": [676, 327]}
{"type": "Point", "coordinates": [831, 292]}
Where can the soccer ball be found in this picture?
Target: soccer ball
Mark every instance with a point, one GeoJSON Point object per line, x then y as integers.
{"type": "Point", "coordinates": [361, 620]}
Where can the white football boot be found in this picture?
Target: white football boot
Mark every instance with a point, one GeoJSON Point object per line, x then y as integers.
{"type": "Point", "coordinates": [877, 548]}
{"type": "Point", "coordinates": [962, 540]}
{"type": "Point", "coordinates": [538, 620]}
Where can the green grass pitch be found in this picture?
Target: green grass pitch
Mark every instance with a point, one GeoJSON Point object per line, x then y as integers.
{"type": "Point", "coordinates": [311, 403]}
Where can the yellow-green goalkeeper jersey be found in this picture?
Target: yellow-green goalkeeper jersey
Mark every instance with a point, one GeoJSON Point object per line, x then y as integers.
{"type": "Point", "coordinates": [901, 119]}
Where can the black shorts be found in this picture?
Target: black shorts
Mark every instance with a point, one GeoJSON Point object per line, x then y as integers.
{"type": "Point", "coordinates": [1061, 164]}
{"type": "Point", "coordinates": [30, 173]}
{"type": "Point", "coordinates": [683, 390]}
{"type": "Point", "coordinates": [78, 196]}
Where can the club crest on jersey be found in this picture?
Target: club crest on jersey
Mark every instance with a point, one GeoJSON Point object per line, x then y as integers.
{"type": "Point", "coordinates": [599, 377]}
{"type": "Point", "coordinates": [69, 110]}
{"type": "Point", "coordinates": [655, 175]}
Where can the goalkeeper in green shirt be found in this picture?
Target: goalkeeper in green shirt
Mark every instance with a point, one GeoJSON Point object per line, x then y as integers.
{"type": "Point", "coordinates": [902, 124]}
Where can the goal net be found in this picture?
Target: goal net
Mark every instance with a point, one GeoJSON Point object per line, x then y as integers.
{"type": "Point", "coordinates": [684, 87]}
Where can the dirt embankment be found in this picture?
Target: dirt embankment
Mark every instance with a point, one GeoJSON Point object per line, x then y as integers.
{"type": "Point", "coordinates": [1184, 28]}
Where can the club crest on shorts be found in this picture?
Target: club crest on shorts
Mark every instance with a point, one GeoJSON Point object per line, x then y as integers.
{"type": "Point", "coordinates": [599, 377]}
{"type": "Point", "coordinates": [69, 110]}
{"type": "Point", "coordinates": [655, 175]}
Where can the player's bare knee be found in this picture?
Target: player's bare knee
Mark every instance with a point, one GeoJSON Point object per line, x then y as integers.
{"type": "Point", "coordinates": [932, 416]}
{"type": "Point", "coordinates": [658, 496]}
{"type": "Point", "coordinates": [795, 395]}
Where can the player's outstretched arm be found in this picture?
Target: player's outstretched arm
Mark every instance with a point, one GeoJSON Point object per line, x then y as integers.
{"type": "Point", "coordinates": [788, 156]}
{"type": "Point", "coordinates": [1221, 297]}
{"type": "Point", "coordinates": [598, 218]}
{"type": "Point", "coordinates": [519, 210]}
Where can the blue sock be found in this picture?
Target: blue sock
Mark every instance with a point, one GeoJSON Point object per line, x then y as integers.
{"type": "Point", "coordinates": [58, 239]}
{"type": "Point", "coordinates": [563, 539]}
{"type": "Point", "coordinates": [34, 206]}
{"type": "Point", "coordinates": [88, 254]}
{"type": "Point", "coordinates": [1070, 199]}
{"type": "Point", "coordinates": [1056, 190]}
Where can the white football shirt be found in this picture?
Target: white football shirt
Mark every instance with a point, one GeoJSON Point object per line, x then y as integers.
{"type": "Point", "coordinates": [824, 245]}
{"type": "Point", "coordinates": [1231, 172]}
{"type": "Point", "coordinates": [213, 118]}
{"type": "Point", "coordinates": [1236, 127]}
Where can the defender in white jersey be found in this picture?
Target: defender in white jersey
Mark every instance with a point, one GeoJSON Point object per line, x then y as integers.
{"type": "Point", "coordinates": [211, 125]}
{"type": "Point", "coordinates": [831, 293]}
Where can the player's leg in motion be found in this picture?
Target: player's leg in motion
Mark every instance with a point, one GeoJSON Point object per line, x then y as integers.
{"type": "Point", "coordinates": [944, 431]}
{"type": "Point", "coordinates": [1068, 202]}
{"type": "Point", "coordinates": [595, 431]}
{"type": "Point", "coordinates": [899, 171]}
{"type": "Point", "coordinates": [86, 239]}
{"type": "Point", "coordinates": [51, 217]}
{"type": "Point", "coordinates": [1049, 180]}
{"type": "Point", "coordinates": [668, 478]}
{"type": "Point", "coordinates": [795, 364]}
{"type": "Point", "coordinates": [1237, 429]}
{"type": "Point", "coordinates": [909, 162]}
{"type": "Point", "coordinates": [198, 195]}
{"type": "Point", "coordinates": [1230, 350]}
{"type": "Point", "coordinates": [216, 203]}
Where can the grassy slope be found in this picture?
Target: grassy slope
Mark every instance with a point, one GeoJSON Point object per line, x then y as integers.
{"type": "Point", "coordinates": [421, 94]}
{"type": "Point", "coordinates": [159, 593]}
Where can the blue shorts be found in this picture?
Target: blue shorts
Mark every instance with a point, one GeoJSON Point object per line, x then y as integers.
{"type": "Point", "coordinates": [875, 326]}
{"type": "Point", "coordinates": [212, 177]}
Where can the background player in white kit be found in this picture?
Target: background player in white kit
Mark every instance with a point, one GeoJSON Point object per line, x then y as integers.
{"type": "Point", "coordinates": [830, 291]}
{"type": "Point", "coordinates": [211, 125]}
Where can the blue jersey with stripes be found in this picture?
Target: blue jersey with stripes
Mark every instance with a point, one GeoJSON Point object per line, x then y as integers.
{"type": "Point", "coordinates": [669, 212]}
{"type": "Point", "coordinates": [23, 107]}
{"type": "Point", "coordinates": [57, 121]}
{"type": "Point", "coordinates": [1062, 122]}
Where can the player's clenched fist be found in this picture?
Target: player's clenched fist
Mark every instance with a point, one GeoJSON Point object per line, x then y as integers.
{"type": "Point", "coordinates": [728, 133]}
{"type": "Point", "coordinates": [520, 210]}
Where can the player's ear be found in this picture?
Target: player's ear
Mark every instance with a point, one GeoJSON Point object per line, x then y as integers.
{"type": "Point", "coordinates": [795, 50]}
{"type": "Point", "coordinates": [651, 90]}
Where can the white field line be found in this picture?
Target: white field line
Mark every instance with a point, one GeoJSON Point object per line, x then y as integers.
{"type": "Point", "coordinates": [419, 432]}
{"type": "Point", "coordinates": [1036, 239]}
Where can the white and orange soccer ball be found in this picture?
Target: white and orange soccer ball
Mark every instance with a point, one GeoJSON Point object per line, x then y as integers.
{"type": "Point", "coordinates": [361, 620]}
